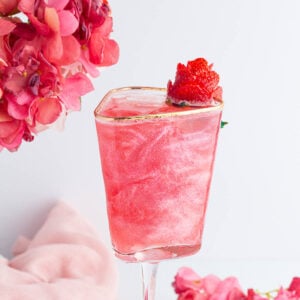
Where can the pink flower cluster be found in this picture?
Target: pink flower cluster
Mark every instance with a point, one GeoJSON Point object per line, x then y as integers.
{"type": "Point", "coordinates": [48, 50]}
{"type": "Point", "coordinates": [189, 285]}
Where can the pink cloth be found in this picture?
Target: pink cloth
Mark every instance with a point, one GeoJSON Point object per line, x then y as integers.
{"type": "Point", "coordinates": [64, 261]}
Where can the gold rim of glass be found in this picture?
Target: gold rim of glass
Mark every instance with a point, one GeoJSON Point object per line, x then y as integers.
{"type": "Point", "coordinates": [195, 110]}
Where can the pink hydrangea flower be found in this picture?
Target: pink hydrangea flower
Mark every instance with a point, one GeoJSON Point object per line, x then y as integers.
{"type": "Point", "coordinates": [186, 279]}
{"type": "Point", "coordinates": [295, 286]}
{"type": "Point", "coordinates": [188, 285]}
{"type": "Point", "coordinates": [252, 295]}
{"type": "Point", "coordinates": [192, 295]}
{"type": "Point", "coordinates": [45, 62]}
{"type": "Point", "coordinates": [284, 294]}
{"type": "Point", "coordinates": [228, 289]}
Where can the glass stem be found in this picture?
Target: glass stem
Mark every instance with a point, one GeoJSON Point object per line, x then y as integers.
{"type": "Point", "coordinates": [149, 271]}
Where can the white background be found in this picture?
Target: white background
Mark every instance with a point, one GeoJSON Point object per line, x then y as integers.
{"type": "Point", "coordinates": [252, 224]}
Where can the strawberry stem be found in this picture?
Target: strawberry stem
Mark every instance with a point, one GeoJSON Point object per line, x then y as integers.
{"type": "Point", "coordinates": [223, 123]}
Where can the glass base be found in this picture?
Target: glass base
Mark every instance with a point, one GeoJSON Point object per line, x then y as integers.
{"type": "Point", "coordinates": [158, 254]}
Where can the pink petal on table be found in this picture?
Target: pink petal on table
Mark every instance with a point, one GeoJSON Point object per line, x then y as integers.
{"type": "Point", "coordinates": [284, 294]}
{"type": "Point", "coordinates": [295, 286]}
{"type": "Point", "coordinates": [224, 289]}
{"type": "Point", "coordinates": [6, 26]}
{"type": "Point", "coordinates": [210, 283]}
{"type": "Point", "coordinates": [75, 87]}
{"type": "Point", "coordinates": [47, 110]}
{"type": "Point", "coordinates": [192, 295]}
{"type": "Point", "coordinates": [58, 4]}
{"type": "Point", "coordinates": [236, 294]}
{"type": "Point", "coordinates": [13, 141]}
{"type": "Point", "coordinates": [68, 22]}
{"type": "Point", "coordinates": [187, 278]}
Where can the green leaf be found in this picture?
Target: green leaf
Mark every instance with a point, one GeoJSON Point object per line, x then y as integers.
{"type": "Point", "coordinates": [223, 123]}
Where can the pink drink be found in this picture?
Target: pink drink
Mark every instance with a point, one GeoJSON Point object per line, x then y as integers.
{"type": "Point", "coordinates": [157, 162]}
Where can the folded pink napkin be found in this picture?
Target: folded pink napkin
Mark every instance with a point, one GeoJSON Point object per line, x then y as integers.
{"type": "Point", "coordinates": [64, 261]}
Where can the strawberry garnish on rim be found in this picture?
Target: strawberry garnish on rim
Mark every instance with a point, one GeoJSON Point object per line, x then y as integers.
{"type": "Point", "coordinates": [196, 84]}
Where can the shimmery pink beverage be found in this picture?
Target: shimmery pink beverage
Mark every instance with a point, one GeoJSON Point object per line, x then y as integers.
{"type": "Point", "coordinates": [157, 162]}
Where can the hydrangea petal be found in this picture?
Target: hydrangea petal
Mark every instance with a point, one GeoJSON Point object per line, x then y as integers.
{"type": "Point", "coordinates": [186, 279]}
{"type": "Point", "coordinates": [100, 45]}
{"type": "Point", "coordinates": [51, 18]}
{"type": "Point", "coordinates": [8, 128]}
{"type": "Point", "coordinates": [7, 6]}
{"type": "Point", "coordinates": [68, 22]}
{"type": "Point", "coordinates": [47, 110]}
{"type": "Point", "coordinates": [26, 6]}
{"type": "Point", "coordinates": [96, 46]}
{"type": "Point", "coordinates": [19, 112]}
{"type": "Point", "coordinates": [106, 28]}
{"type": "Point", "coordinates": [210, 283]}
{"type": "Point", "coordinates": [224, 288]}
{"type": "Point", "coordinates": [11, 130]}
{"type": "Point", "coordinates": [192, 295]}
{"type": "Point", "coordinates": [6, 26]}
{"type": "Point", "coordinates": [53, 49]}
{"type": "Point", "coordinates": [103, 52]}
{"type": "Point", "coordinates": [294, 286]}
{"type": "Point", "coordinates": [25, 31]}
{"type": "Point", "coordinates": [24, 97]}
{"type": "Point", "coordinates": [75, 87]}
{"type": "Point", "coordinates": [3, 52]}
{"type": "Point", "coordinates": [4, 117]}
{"type": "Point", "coordinates": [15, 83]}
{"type": "Point", "coordinates": [71, 51]}
{"type": "Point", "coordinates": [58, 4]}
{"type": "Point", "coordinates": [89, 67]}
{"type": "Point", "coordinates": [40, 27]}
{"type": "Point", "coordinates": [110, 53]}
{"type": "Point", "coordinates": [41, 85]}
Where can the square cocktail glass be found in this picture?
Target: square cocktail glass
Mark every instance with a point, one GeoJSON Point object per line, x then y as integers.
{"type": "Point", "coordinates": [157, 162]}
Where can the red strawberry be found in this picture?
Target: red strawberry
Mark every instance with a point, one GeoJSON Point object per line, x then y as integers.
{"type": "Point", "coordinates": [196, 84]}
